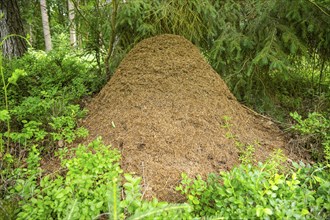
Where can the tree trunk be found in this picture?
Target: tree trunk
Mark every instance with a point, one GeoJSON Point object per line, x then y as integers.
{"type": "Point", "coordinates": [11, 24]}
{"type": "Point", "coordinates": [115, 5]}
{"type": "Point", "coordinates": [73, 36]}
{"type": "Point", "coordinates": [45, 25]}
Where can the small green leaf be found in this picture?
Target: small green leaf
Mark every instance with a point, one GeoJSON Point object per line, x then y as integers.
{"type": "Point", "coordinates": [99, 205]}
{"type": "Point", "coordinates": [60, 195]}
{"type": "Point", "coordinates": [34, 200]}
{"type": "Point", "coordinates": [318, 179]}
{"type": "Point", "coordinates": [274, 188]}
{"type": "Point", "coordinates": [18, 187]}
{"type": "Point", "coordinates": [259, 211]}
{"type": "Point", "coordinates": [196, 201]}
{"type": "Point", "coordinates": [304, 212]}
{"type": "Point", "coordinates": [229, 190]}
{"type": "Point", "coordinates": [268, 211]}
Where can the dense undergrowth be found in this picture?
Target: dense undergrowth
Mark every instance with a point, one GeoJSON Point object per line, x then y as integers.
{"type": "Point", "coordinates": [90, 187]}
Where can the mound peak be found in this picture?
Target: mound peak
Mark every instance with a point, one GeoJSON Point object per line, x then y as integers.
{"type": "Point", "coordinates": [169, 112]}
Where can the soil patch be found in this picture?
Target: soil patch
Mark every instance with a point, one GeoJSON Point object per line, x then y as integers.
{"type": "Point", "coordinates": [169, 112]}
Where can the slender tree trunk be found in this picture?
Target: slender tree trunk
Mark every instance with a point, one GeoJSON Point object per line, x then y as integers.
{"type": "Point", "coordinates": [11, 24]}
{"type": "Point", "coordinates": [115, 5]}
{"type": "Point", "coordinates": [73, 35]}
{"type": "Point", "coordinates": [45, 25]}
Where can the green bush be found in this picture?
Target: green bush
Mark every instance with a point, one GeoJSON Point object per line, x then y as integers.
{"type": "Point", "coordinates": [42, 84]}
{"type": "Point", "coordinates": [317, 127]}
{"type": "Point", "coordinates": [89, 189]}
{"type": "Point", "coordinates": [84, 192]}
{"type": "Point", "coordinates": [60, 72]}
{"type": "Point", "coordinates": [61, 128]}
{"type": "Point", "coordinates": [90, 184]}
{"type": "Point", "coordinates": [261, 192]}
{"type": "Point", "coordinates": [43, 93]}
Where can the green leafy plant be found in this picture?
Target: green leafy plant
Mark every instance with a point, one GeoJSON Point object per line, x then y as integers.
{"type": "Point", "coordinates": [246, 151]}
{"type": "Point", "coordinates": [88, 189]}
{"type": "Point", "coordinates": [52, 80]}
{"type": "Point", "coordinates": [12, 80]}
{"type": "Point", "coordinates": [197, 193]}
{"type": "Point", "coordinates": [317, 128]}
{"type": "Point", "coordinates": [137, 208]}
{"type": "Point", "coordinates": [84, 192]}
{"type": "Point", "coordinates": [26, 178]}
{"type": "Point", "coordinates": [62, 128]}
{"type": "Point", "coordinates": [275, 71]}
{"type": "Point", "coordinates": [41, 107]}
{"type": "Point", "coordinates": [21, 183]}
{"type": "Point", "coordinates": [65, 127]}
{"type": "Point", "coordinates": [43, 103]}
{"type": "Point", "coordinates": [31, 130]}
{"type": "Point", "coordinates": [261, 191]}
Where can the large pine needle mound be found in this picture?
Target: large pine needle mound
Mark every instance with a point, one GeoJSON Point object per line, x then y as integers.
{"type": "Point", "coordinates": [169, 112]}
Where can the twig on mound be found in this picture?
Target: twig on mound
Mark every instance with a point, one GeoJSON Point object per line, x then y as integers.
{"type": "Point", "coordinates": [145, 185]}
{"type": "Point", "coordinates": [258, 114]}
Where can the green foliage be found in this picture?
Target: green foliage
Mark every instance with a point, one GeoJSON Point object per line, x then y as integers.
{"type": "Point", "coordinates": [60, 73]}
{"type": "Point", "coordinates": [62, 128]}
{"type": "Point", "coordinates": [194, 20]}
{"type": "Point", "coordinates": [89, 189]}
{"type": "Point", "coordinates": [317, 127]}
{"type": "Point", "coordinates": [4, 115]}
{"type": "Point", "coordinates": [249, 192]}
{"type": "Point", "coordinates": [26, 179]}
{"type": "Point", "coordinates": [197, 194]}
{"type": "Point", "coordinates": [262, 44]}
{"type": "Point", "coordinates": [245, 151]}
{"type": "Point", "coordinates": [41, 92]}
{"type": "Point", "coordinates": [41, 101]}
{"type": "Point", "coordinates": [31, 17]}
{"type": "Point", "coordinates": [65, 129]}
{"type": "Point", "coordinates": [22, 183]}
{"type": "Point", "coordinates": [85, 191]}
{"type": "Point", "coordinates": [137, 208]}
{"type": "Point", "coordinates": [191, 19]}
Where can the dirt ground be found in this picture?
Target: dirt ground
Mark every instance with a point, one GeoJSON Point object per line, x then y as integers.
{"type": "Point", "coordinates": [169, 112]}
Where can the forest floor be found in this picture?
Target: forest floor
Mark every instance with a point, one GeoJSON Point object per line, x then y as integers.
{"type": "Point", "coordinates": [169, 112]}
